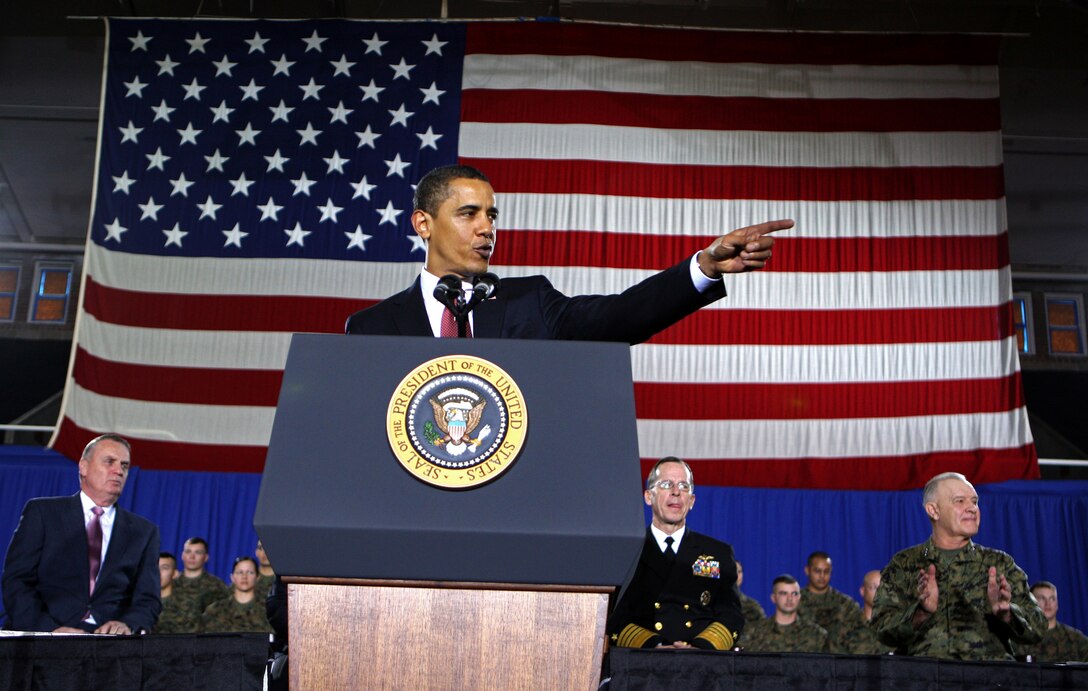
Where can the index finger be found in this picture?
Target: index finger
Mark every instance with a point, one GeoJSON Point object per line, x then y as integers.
{"type": "Point", "coordinates": [761, 229]}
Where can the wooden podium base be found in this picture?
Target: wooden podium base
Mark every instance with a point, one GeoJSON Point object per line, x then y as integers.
{"type": "Point", "coordinates": [367, 634]}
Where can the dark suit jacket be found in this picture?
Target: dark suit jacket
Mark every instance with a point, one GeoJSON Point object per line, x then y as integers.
{"type": "Point", "coordinates": [667, 602]}
{"type": "Point", "coordinates": [46, 573]}
{"type": "Point", "coordinates": [531, 307]}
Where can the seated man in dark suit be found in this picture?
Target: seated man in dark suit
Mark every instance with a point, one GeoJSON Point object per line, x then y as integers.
{"type": "Point", "coordinates": [82, 564]}
{"type": "Point", "coordinates": [684, 591]}
{"type": "Point", "coordinates": [455, 214]}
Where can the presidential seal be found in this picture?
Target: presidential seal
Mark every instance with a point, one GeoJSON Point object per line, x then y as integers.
{"type": "Point", "coordinates": [456, 422]}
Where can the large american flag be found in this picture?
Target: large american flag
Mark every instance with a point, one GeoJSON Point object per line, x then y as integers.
{"type": "Point", "coordinates": [254, 180]}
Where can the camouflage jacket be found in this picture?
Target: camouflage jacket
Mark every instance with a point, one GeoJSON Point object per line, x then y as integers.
{"type": "Point", "coordinates": [230, 616]}
{"type": "Point", "coordinates": [861, 639]}
{"type": "Point", "coordinates": [766, 636]}
{"type": "Point", "coordinates": [264, 584]}
{"type": "Point", "coordinates": [193, 596]}
{"type": "Point", "coordinates": [963, 626]}
{"type": "Point", "coordinates": [172, 619]}
{"type": "Point", "coordinates": [751, 609]}
{"type": "Point", "coordinates": [835, 611]}
{"type": "Point", "coordinates": [1060, 644]}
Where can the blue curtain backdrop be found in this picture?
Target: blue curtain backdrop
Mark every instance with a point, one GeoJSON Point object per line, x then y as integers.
{"type": "Point", "coordinates": [1043, 524]}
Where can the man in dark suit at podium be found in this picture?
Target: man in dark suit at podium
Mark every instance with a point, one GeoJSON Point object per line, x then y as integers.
{"type": "Point", "coordinates": [455, 214]}
{"type": "Point", "coordinates": [684, 591]}
{"type": "Point", "coordinates": [82, 564]}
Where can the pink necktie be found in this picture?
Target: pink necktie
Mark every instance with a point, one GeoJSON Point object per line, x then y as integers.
{"type": "Point", "coordinates": [448, 327]}
{"type": "Point", "coordinates": [94, 544]}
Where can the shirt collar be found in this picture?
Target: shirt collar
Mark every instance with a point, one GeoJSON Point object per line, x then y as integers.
{"type": "Point", "coordinates": [660, 536]}
{"type": "Point", "coordinates": [88, 504]}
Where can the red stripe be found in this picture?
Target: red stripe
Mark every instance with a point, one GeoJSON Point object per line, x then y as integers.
{"type": "Point", "coordinates": [511, 175]}
{"type": "Point", "coordinates": [791, 254]}
{"type": "Point", "coordinates": [730, 46]}
{"type": "Point", "coordinates": [660, 401]}
{"type": "Point", "coordinates": [280, 313]}
{"type": "Point", "coordinates": [710, 113]}
{"type": "Point", "coordinates": [166, 455]}
{"type": "Point", "coordinates": [177, 384]}
{"type": "Point", "coordinates": [876, 473]}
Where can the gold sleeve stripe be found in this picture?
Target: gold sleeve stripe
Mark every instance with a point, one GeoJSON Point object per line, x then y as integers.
{"type": "Point", "coordinates": [718, 636]}
{"type": "Point", "coordinates": [634, 636]}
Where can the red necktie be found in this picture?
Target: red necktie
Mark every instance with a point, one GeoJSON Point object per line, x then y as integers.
{"type": "Point", "coordinates": [94, 544]}
{"type": "Point", "coordinates": [448, 327]}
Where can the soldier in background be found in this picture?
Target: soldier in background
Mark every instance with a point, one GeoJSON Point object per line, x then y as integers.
{"type": "Point", "coordinates": [195, 588]}
{"type": "Point", "coordinates": [833, 610]}
{"type": "Point", "coordinates": [749, 607]}
{"type": "Point", "coordinates": [784, 631]}
{"type": "Point", "coordinates": [1060, 643]}
{"type": "Point", "coordinates": [860, 639]}
{"type": "Point", "coordinates": [949, 597]}
{"type": "Point", "coordinates": [242, 611]}
{"type": "Point", "coordinates": [171, 619]}
{"type": "Point", "coordinates": [265, 576]}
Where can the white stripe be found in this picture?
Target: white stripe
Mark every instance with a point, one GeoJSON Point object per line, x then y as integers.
{"type": "Point", "coordinates": [841, 438]}
{"type": "Point", "coordinates": [692, 78]}
{"type": "Point", "coordinates": [713, 217]}
{"type": "Point", "coordinates": [176, 422]}
{"type": "Point", "coordinates": [729, 147]}
{"type": "Point", "coordinates": [810, 364]}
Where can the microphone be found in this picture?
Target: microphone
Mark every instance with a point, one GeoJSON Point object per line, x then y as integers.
{"type": "Point", "coordinates": [448, 292]}
{"type": "Point", "coordinates": [483, 287]}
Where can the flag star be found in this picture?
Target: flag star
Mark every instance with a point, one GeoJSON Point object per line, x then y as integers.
{"type": "Point", "coordinates": [139, 42]}
{"type": "Point", "coordinates": [234, 236]}
{"type": "Point", "coordinates": [314, 42]}
{"type": "Point", "coordinates": [366, 138]}
{"type": "Point", "coordinates": [224, 66]}
{"type": "Point", "coordinates": [339, 113]}
{"type": "Point", "coordinates": [280, 112]}
{"type": "Point", "coordinates": [371, 91]}
{"type": "Point", "coordinates": [181, 185]}
{"type": "Point", "coordinates": [389, 214]}
{"type": "Point", "coordinates": [429, 139]}
{"type": "Point", "coordinates": [188, 135]}
{"type": "Point", "coordinates": [328, 212]}
{"type": "Point", "coordinates": [362, 189]}
{"type": "Point", "coordinates": [400, 116]}
{"type": "Point", "coordinates": [434, 45]}
{"type": "Point", "coordinates": [122, 183]}
{"type": "Point", "coordinates": [157, 159]}
{"type": "Point", "coordinates": [402, 69]}
{"type": "Point", "coordinates": [114, 230]}
{"type": "Point", "coordinates": [357, 238]}
{"type": "Point", "coordinates": [128, 134]}
{"type": "Point", "coordinates": [192, 90]}
{"type": "Point", "coordinates": [336, 163]}
{"type": "Point", "coordinates": [166, 66]}
{"type": "Point", "coordinates": [208, 208]}
{"type": "Point", "coordinates": [250, 90]}
{"type": "Point", "coordinates": [248, 135]}
{"type": "Point", "coordinates": [196, 44]}
{"type": "Point", "coordinates": [342, 66]}
{"type": "Point", "coordinates": [283, 66]}
{"type": "Point", "coordinates": [303, 185]}
{"type": "Point", "coordinates": [162, 111]}
{"type": "Point", "coordinates": [431, 94]}
{"type": "Point", "coordinates": [310, 90]}
{"type": "Point", "coordinates": [150, 210]}
{"type": "Point", "coordinates": [418, 244]}
{"type": "Point", "coordinates": [241, 185]}
{"type": "Point", "coordinates": [296, 235]}
{"type": "Point", "coordinates": [174, 235]}
{"type": "Point", "coordinates": [270, 210]}
{"type": "Point", "coordinates": [216, 161]}
{"type": "Point", "coordinates": [374, 44]}
{"type": "Point", "coordinates": [221, 112]}
{"type": "Point", "coordinates": [396, 167]}
{"type": "Point", "coordinates": [135, 88]}
{"type": "Point", "coordinates": [275, 162]}
{"type": "Point", "coordinates": [256, 44]}
{"type": "Point", "coordinates": [309, 135]}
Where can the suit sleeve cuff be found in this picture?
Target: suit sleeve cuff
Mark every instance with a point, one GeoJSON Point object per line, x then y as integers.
{"type": "Point", "coordinates": [634, 636]}
{"type": "Point", "coordinates": [701, 281]}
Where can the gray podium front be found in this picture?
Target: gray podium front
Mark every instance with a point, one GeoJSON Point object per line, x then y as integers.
{"type": "Point", "coordinates": [504, 584]}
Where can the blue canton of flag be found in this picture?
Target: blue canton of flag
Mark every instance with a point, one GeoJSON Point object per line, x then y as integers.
{"type": "Point", "coordinates": [273, 139]}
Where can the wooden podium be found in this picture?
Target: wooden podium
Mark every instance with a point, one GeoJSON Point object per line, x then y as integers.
{"type": "Point", "coordinates": [394, 583]}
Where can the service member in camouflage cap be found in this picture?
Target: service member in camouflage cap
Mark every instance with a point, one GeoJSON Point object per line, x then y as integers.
{"type": "Point", "coordinates": [242, 611]}
{"type": "Point", "coordinates": [1060, 643]}
{"type": "Point", "coordinates": [949, 597]}
{"type": "Point", "coordinates": [784, 631]}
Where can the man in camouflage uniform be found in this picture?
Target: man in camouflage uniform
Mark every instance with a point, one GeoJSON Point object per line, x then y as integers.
{"type": "Point", "coordinates": [833, 610]}
{"type": "Point", "coordinates": [265, 576]}
{"type": "Point", "coordinates": [784, 632]}
{"type": "Point", "coordinates": [949, 597]}
{"type": "Point", "coordinates": [1060, 643]}
{"type": "Point", "coordinates": [242, 611]}
{"type": "Point", "coordinates": [195, 588]}
{"type": "Point", "coordinates": [749, 607]}
{"type": "Point", "coordinates": [171, 619]}
{"type": "Point", "coordinates": [860, 639]}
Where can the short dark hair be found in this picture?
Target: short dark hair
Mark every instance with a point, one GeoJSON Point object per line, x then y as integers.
{"type": "Point", "coordinates": [170, 556]}
{"type": "Point", "coordinates": [239, 560]}
{"type": "Point", "coordinates": [197, 541]}
{"type": "Point", "coordinates": [784, 578]}
{"type": "Point", "coordinates": [434, 188]}
{"type": "Point", "coordinates": [89, 448]}
{"type": "Point", "coordinates": [817, 555]}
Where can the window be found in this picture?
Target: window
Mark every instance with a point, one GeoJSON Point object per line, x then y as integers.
{"type": "Point", "coordinates": [1022, 323]}
{"type": "Point", "coordinates": [9, 290]}
{"type": "Point", "coordinates": [1065, 323]}
{"type": "Point", "coordinates": [52, 288]}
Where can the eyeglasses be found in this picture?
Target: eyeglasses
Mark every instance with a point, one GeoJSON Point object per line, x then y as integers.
{"type": "Point", "coordinates": [669, 484]}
